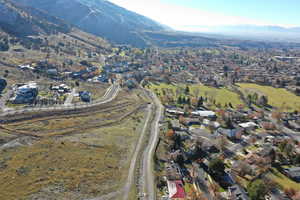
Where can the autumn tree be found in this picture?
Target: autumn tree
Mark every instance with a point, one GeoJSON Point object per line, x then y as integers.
{"type": "Point", "coordinates": [170, 134]}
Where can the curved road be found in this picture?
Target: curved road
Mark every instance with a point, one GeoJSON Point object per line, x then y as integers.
{"type": "Point", "coordinates": [110, 95]}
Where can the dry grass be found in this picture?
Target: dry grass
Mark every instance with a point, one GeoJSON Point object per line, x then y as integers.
{"type": "Point", "coordinates": [90, 163]}
{"type": "Point", "coordinates": [74, 166]}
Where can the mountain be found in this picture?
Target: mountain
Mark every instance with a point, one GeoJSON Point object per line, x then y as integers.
{"type": "Point", "coordinates": [101, 18]}
{"type": "Point", "coordinates": [256, 32]}
{"type": "Point", "coordinates": [23, 21]}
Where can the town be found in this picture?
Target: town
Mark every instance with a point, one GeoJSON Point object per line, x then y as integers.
{"type": "Point", "coordinates": [223, 134]}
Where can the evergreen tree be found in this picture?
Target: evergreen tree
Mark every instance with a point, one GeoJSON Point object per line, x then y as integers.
{"type": "Point", "coordinates": [179, 100]}
{"type": "Point", "coordinates": [187, 90]}
{"type": "Point", "coordinates": [188, 101]}
{"type": "Point", "coordinates": [200, 102]}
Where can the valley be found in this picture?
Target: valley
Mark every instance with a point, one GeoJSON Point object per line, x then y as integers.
{"type": "Point", "coordinates": [100, 103]}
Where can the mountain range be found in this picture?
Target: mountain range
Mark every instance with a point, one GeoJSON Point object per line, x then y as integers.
{"type": "Point", "coordinates": [99, 17]}
{"type": "Point", "coordinates": [256, 32]}
{"type": "Point", "coordinates": [123, 27]}
{"type": "Point", "coordinates": [24, 21]}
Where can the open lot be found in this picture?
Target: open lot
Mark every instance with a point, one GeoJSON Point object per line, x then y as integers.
{"type": "Point", "coordinates": [75, 157]}
{"type": "Point", "coordinates": [283, 181]}
{"type": "Point", "coordinates": [220, 95]}
{"type": "Point", "coordinates": [278, 97]}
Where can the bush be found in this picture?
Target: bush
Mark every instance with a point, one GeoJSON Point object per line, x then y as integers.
{"type": "Point", "coordinates": [257, 190]}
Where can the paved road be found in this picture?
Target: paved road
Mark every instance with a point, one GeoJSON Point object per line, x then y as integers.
{"type": "Point", "coordinates": [4, 99]}
{"type": "Point", "coordinates": [70, 97]}
{"type": "Point", "coordinates": [130, 178]}
{"type": "Point", "coordinates": [147, 172]}
{"type": "Point", "coordinates": [110, 95]}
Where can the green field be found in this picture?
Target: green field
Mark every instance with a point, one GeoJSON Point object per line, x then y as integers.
{"type": "Point", "coordinates": [283, 181]}
{"type": "Point", "coordinates": [278, 97]}
{"type": "Point", "coordinates": [221, 95]}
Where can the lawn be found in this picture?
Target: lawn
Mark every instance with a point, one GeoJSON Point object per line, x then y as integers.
{"type": "Point", "coordinates": [278, 97]}
{"type": "Point", "coordinates": [221, 95]}
{"type": "Point", "coordinates": [283, 180]}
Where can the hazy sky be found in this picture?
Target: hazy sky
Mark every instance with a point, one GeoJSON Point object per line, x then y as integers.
{"type": "Point", "coordinates": [188, 14]}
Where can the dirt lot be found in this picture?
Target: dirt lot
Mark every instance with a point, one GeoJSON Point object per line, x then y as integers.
{"type": "Point", "coordinates": [89, 161]}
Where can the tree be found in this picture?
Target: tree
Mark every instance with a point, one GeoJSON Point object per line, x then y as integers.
{"type": "Point", "coordinates": [257, 190]}
{"type": "Point", "coordinates": [290, 192]}
{"type": "Point", "coordinates": [200, 102]}
{"type": "Point", "coordinates": [187, 90]}
{"type": "Point", "coordinates": [170, 134]}
{"type": "Point", "coordinates": [4, 46]}
{"type": "Point", "coordinates": [263, 100]}
{"type": "Point", "coordinates": [229, 123]}
{"type": "Point", "coordinates": [188, 101]}
{"type": "Point", "coordinates": [217, 166]}
{"type": "Point", "coordinates": [197, 92]}
{"type": "Point", "coordinates": [222, 143]}
{"type": "Point", "coordinates": [277, 116]}
{"type": "Point", "coordinates": [179, 100]}
{"type": "Point", "coordinates": [255, 97]}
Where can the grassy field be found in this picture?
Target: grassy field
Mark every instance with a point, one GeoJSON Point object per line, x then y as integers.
{"type": "Point", "coordinates": [89, 162]}
{"type": "Point", "coordinates": [67, 165]}
{"type": "Point", "coordinates": [284, 181]}
{"type": "Point", "coordinates": [278, 97]}
{"type": "Point", "coordinates": [221, 95]}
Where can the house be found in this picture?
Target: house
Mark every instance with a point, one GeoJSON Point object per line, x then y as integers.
{"type": "Point", "coordinates": [267, 154]}
{"type": "Point", "coordinates": [174, 112]}
{"type": "Point", "coordinates": [293, 173]}
{"type": "Point", "coordinates": [25, 67]}
{"type": "Point", "coordinates": [176, 125]}
{"type": "Point", "coordinates": [25, 94]}
{"type": "Point", "coordinates": [230, 133]}
{"type": "Point", "coordinates": [214, 124]}
{"type": "Point", "coordinates": [52, 72]}
{"type": "Point", "coordinates": [85, 96]}
{"type": "Point", "coordinates": [236, 192]}
{"type": "Point", "coordinates": [173, 171]}
{"type": "Point", "coordinates": [3, 85]}
{"type": "Point", "coordinates": [191, 122]}
{"type": "Point", "coordinates": [103, 78]}
{"type": "Point", "coordinates": [176, 190]}
{"type": "Point", "coordinates": [248, 126]}
{"type": "Point", "coordinates": [62, 88]}
{"type": "Point", "coordinates": [206, 113]}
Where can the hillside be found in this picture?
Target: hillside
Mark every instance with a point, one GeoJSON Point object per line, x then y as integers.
{"type": "Point", "coordinates": [23, 21]}
{"type": "Point", "coordinates": [101, 18]}
{"type": "Point", "coordinates": [28, 35]}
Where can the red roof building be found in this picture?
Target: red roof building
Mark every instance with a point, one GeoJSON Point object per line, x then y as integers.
{"type": "Point", "coordinates": [176, 190]}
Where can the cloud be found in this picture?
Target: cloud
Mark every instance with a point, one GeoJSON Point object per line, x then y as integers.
{"type": "Point", "coordinates": [181, 17]}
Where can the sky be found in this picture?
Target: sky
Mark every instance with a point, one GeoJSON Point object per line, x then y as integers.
{"type": "Point", "coordinates": [192, 15]}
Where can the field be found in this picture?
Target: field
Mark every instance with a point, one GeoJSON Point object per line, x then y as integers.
{"type": "Point", "coordinates": [278, 97]}
{"type": "Point", "coordinates": [284, 181]}
{"type": "Point", "coordinates": [76, 157]}
{"type": "Point", "coordinates": [220, 95]}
